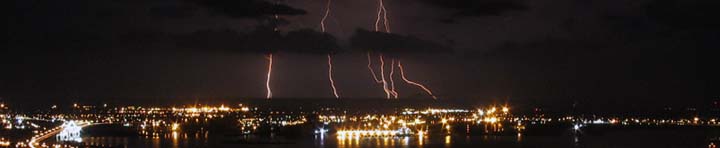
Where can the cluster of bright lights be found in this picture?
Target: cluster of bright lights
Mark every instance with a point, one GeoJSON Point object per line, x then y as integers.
{"type": "Point", "coordinates": [70, 132]}
{"type": "Point", "coordinates": [6, 123]}
{"type": "Point", "coordinates": [175, 127]}
{"type": "Point", "coordinates": [434, 111]}
{"type": "Point", "coordinates": [4, 142]}
{"type": "Point", "coordinates": [491, 115]}
{"type": "Point", "coordinates": [293, 122]}
{"type": "Point", "coordinates": [492, 110]}
{"type": "Point", "coordinates": [321, 131]}
{"type": "Point", "coordinates": [374, 132]}
{"type": "Point", "coordinates": [410, 122]}
{"type": "Point", "coordinates": [205, 109]}
{"type": "Point", "coordinates": [577, 127]}
{"type": "Point", "coordinates": [331, 119]}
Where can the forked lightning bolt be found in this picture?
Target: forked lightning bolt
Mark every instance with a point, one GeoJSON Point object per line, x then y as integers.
{"type": "Point", "coordinates": [402, 75]}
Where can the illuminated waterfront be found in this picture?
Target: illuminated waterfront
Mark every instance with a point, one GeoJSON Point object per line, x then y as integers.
{"type": "Point", "coordinates": [621, 139]}
{"type": "Point", "coordinates": [248, 125]}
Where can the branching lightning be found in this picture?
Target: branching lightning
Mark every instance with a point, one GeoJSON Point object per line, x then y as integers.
{"type": "Point", "coordinates": [389, 91]}
{"type": "Point", "coordinates": [382, 16]}
{"type": "Point", "coordinates": [382, 13]}
{"type": "Point", "coordinates": [402, 75]}
{"type": "Point", "coordinates": [385, 18]}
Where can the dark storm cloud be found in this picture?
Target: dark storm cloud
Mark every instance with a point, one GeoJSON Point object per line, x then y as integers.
{"type": "Point", "coordinates": [686, 13]}
{"type": "Point", "coordinates": [474, 8]}
{"type": "Point", "coordinates": [248, 8]}
{"type": "Point", "coordinates": [393, 43]}
{"type": "Point", "coordinates": [310, 42]}
{"type": "Point", "coordinates": [47, 25]}
{"type": "Point", "coordinates": [173, 11]}
{"type": "Point", "coordinates": [660, 51]}
{"type": "Point", "coordinates": [211, 40]}
{"type": "Point", "coordinates": [603, 70]}
{"type": "Point", "coordinates": [77, 25]}
{"type": "Point", "coordinates": [694, 22]}
{"type": "Point", "coordinates": [690, 16]}
{"type": "Point", "coordinates": [263, 39]}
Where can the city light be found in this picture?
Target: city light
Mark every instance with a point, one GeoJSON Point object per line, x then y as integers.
{"type": "Point", "coordinates": [374, 133]}
{"type": "Point", "coordinates": [70, 132]}
{"type": "Point", "coordinates": [155, 120]}
{"type": "Point", "coordinates": [175, 126]}
{"type": "Point", "coordinates": [321, 131]}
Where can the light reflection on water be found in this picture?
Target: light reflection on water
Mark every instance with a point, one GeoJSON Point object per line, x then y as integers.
{"type": "Point", "coordinates": [148, 139]}
{"type": "Point", "coordinates": [355, 142]}
{"type": "Point", "coordinates": [180, 139]}
{"type": "Point", "coordinates": [447, 141]}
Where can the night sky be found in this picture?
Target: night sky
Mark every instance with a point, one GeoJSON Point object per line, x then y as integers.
{"type": "Point", "coordinates": [600, 52]}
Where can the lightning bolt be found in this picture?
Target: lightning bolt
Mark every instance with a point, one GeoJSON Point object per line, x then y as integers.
{"type": "Point", "coordinates": [269, 72]}
{"type": "Point", "coordinates": [369, 66]}
{"type": "Point", "coordinates": [327, 12]}
{"type": "Point", "coordinates": [270, 57]}
{"type": "Point", "coordinates": [382, 13]}
{"type": "Point", "coordinates": [385, 18]}
{"type": "Point", "coordinates": [379, 12]}
{"type": "Point", "coordinates": [392, 82]}
{"type": "Point", "coordinates": [329, 57]}
{"type": "Point", "coordinates": [382, 16]}
{"type": "Point", "coordinates": [330, 76]}
{"type": "Point", "coordinates": [402, 74]}
{"type": "Point", "coordinates": [382, 75]}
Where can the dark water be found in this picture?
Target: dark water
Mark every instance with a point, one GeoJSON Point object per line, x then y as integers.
{"type": "Point", "coordinates": [632, 138]}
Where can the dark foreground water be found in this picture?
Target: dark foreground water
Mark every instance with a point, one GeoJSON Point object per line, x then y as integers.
{"type": "Point", "coordinates": [630, 138]}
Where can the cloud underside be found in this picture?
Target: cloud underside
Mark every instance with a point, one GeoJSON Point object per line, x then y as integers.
{"type": "Point", "coordinates": [261, 40]}
{"type": "Point", "coordinates": [249, 8]}
{"type": "Point", "coordinates": [476, 8]}
{"type": "Point", "coordinates": [393, 43]}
